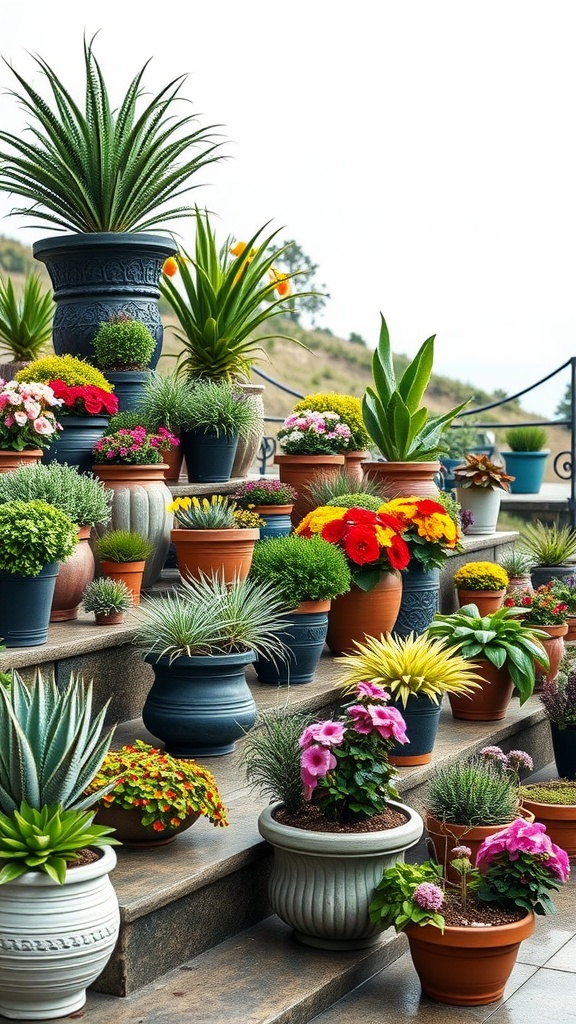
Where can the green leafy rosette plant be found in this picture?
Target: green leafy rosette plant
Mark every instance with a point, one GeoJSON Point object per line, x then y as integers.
{"type": "Point", "coordinates": [481, 576]}
{"type": "Point", "coordinates": [25, 319]}
{"type": "Point", "coordinates": [83, 498]}
{"type": "Point", "coordinates": [33, 534]}
{"type": "Point", "coordinates": [401, 429]}
{"type": "Point", "coordinates": [301, 569]}
{"type": "Point", "coordinates": [112, 167]}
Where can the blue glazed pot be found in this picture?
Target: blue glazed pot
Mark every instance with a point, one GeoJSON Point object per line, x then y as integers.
{"type": "Point", "coordinates": [528, 469]}
{"type": "Point", "coordinates": [75, 442]}
{"type": "Point", "coordinates": [200, 706]}
{"type": "Point", "coordinates": [128, 387]}
{"type": "Point", "coordinates": [25, 603]}
{"type": "Point", "coordinates": [305, 637]}
{"type": "Point", "coordinates": [278, 524]}
{"type": "Point", "coordinates": [419, 604]}
{"type": "Point", "coordinates": [564, 745]}
{"type": "Point", "coordinates": [97, 275]}
{"type": "Point", "coordinates": [209, 458]}
{"type": "Point", "coordinates": [422, 717]}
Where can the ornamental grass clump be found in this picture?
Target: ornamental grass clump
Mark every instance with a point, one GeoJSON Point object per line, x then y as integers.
{"type": "Point", "coordinates": [122, 546]}
{"type": "Point", "coordinates": [271, 756]}
{"type": "Point", "coordinates": [219, 407]}
{"type": "Point", "coordinates": [301, 569]}
{"type": "Point", "coordinates": [548, 543]}
{"type": "Point", "coordinates": [323, 490]}
{"type": "Point", "coordinates": [481, 576]}
{"type": "Point", "coordinates": [105, 596]}
{"type": "Point", "coordinates": [526, 438]}
{"type": "Point", "coordinates": [476, 791]}
{"type": "Point", "coordinates": [83, 498]}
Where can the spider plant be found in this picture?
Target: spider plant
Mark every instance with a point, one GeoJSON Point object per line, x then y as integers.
{"type": "Point", "coordinates": [111, 167]}
{"type": "Point", "coordinates": [25, 320]}
{"type": "Point", "coordinates": [548, 543]}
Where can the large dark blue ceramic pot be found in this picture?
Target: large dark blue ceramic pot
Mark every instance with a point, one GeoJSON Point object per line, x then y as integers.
{"type": "Point", "coordinates": [304, 637]}
{"type": "Point", "coordinates": [128, 387]}
{"type": "Point", "coordinates": [75, 442]}
{"type": "Point", "coordinates": [25, 603]}
{"type": "Point", "coordinates": [422, 718]}
{"type": "Point", "coordinates": [95, 276]}
{"type": "Point", "coordinates": [419, 604]}
{"type": "Point", "coordinates": [564, 744]}
{"type": "Point", "coordinates": [209, 457]}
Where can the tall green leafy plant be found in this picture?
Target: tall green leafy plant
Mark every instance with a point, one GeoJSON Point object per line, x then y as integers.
{"type": "Point", "coordinates": [402, 430]}
{"type": "Point", "coordinates": [25, 319]}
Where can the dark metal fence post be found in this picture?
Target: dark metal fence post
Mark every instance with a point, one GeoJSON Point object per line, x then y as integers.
{"type": "Point", "coordinates": [572, 499]}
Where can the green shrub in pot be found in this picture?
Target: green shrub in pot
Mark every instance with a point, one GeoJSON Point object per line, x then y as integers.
{"type": "Point", "coordinates": [526, 438]}
{"type": "Point", "coordinates": [218, 407]}
{"type": "Point", "coordinates": [106, 596]}
{"type": "Point", "coordinates": [32, 535]}
{"type": "Point", "coordinates": [82, 497]}
{"type": "Point", "coordinates": [474, 791]}
{"type": "Point", "coordinates": [123, 344]}
{"type": "Point", "coordinates": [548, 543]}
{"type": "Point", "coordinates": [301, 569]}
{"type": "Point", "coordinates": [122, 546]}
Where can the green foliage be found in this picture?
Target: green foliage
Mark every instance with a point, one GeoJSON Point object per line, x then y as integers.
{"type": "Point", "coordinates": [393, 899]}
{"type": "Point", "coordinates": [271, 756]}
{"type": "Point", "coordinates": [516, 562]}
{"type": "Point", "coordinates": [215, 513]}
{"type": "Point", "coordinates": [548, 543]}
{"type": "Point", "coordinates": [324, 490]}
{"type": "Point", "coordinates": [122, 546]}
{"type": "Point", "coordinates": [127, 420]}
{"type": "Point", "coordinates": [205, 617]}
{"type": "Point", "coordinates": [70, 369]}
{"type": "Point", "coordinates": [51, 746]}
{"type": "Point", "coordinates": [362, 782]}
{"type": "Point", "coordinates": [560, 792]}
{"type": "Point", "coordinates": [523, 882]}
{"type": "Point", "coordinates": [473, 792]}
{"type": "Point", "coordinates": [15, 258]}
{"type": "Point", "coordinates": [123, 344]}
{"type": "Point", "coordinates": [564, 407]}
{"type": "Point", "coordinates": [460, 440]}
{"type": "Point", "coordinates": [33, 534]}
{"type": "Point", "coordinates": [501, 637]}
{"type": "Point", "coordinates": [356, 500]}
{"type": "Point", "coordinates": [400, 428]}
{"type": "Point", "coordinates": [113, 167]}
{"type": "Point", "coordinates": [301, 569]}
{"type": "Point", "coordinates": [348, 408]}
{"type": "Point", "coordinates": [106, 596]}
{"type": "Point", "coordinates": [264, 491]}
{"type": "Point", "coordinates": [165, 401]}
{"type": "Point", "coordinates": [46, 840]}
{"type": "Point", "coordinates": [83, 498]}
{"type": "Point", "coordinates": [25, 320]}
{"type": "Point", "coordinates": [218, 407]}
{"type": "Point", "coordinates": [526, 438]}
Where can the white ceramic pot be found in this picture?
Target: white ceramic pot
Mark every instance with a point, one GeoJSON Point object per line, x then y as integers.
{"type": "Point", "coordinates": [484, 504]}
{"type": "Point", "coordinates": [55, 939]}
{"type": "Point", "coordinates": [322, 883]}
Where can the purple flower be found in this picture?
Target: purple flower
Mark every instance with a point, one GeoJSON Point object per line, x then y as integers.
{"type": "Point", "coordinates": [518, 759]}
{"type": "Point", "coordinates": [494, 754]}
{"type": "Point", "coordinates": [428, 896]}
{"type": "Point", "coordinates": [461, 851]}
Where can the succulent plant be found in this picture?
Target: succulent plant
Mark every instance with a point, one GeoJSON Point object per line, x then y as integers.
{"type": "Point", "coordinates": [203, 514]}
{"type": "Point", "coordinates": [46, 839]}
{"type": "Point", "coordinates": [480, 471]}
{"type": "Point", "coordinates": [106, 596]}
{"type": "Point", "coordinates": [548, 543]}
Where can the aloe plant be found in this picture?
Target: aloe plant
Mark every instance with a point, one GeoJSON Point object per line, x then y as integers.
{"type": "Point", "coordinates": [399, 427]}
{"type": "Point", "coordinates": [25, 320]}
{"type": "Point", "coordinates": [50, 745]}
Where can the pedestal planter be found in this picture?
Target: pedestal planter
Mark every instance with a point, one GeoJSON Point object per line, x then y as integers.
{"type": "Point", "coordinates": [11, 460]}
{"type": "Point", "coordinates": [466, 966]}
{"type": "Point", "coordinates": [564, 746]}
{"type": "Point", "coordinates": [528, 470]}
{"type": "Point", "coordinates": [75, 443]}
{"type": "Point", "coordinates": [359, 613]}
{"type": "Point", "coordinates": [322, 882]}
{"type": "Point", "coordinates": [554, 647]}
{"type": "Point", "coordinates": [209, 457]}
{"type": "Point", "coordinates": [486, 601]}
{"type": "Point", "coordinates": [25, 603]}
{"type": "Point", "coordinates": [419, 604]}
{"type": "Point", "coordinates": [130, 573]}
{"type": "Point", "coordinates": [403, 479]}
{"type": "Point", "coordinates": [484, 504]}
{"type": "Point", "coordinates": [302, 470]}
{"type": "Point", "coordinates": [128, 387]}
{"type": "Point", "coordinates": [200, 706]}
{"type": "Point", "coordinates": [139, 505]}
{"type": "Point", "coordinates": [277, 519]}
{"type": "Point", "coordinates": [224, 552]}
{"type": "Point", "coordinates": [73, 577]}
{"type": "Point", "coordinates": [55, 939]}
{"type": "Point", "coordinates": [305, 637]}
{"type": "Point", "coordinates": [97, 275]}
{"type": "Point", "coordinates": [422, 717]}
{"type": "Point", "coordinates": [490, 702]}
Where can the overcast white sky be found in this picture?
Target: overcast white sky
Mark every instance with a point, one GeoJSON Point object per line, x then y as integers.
{"type": "Point", "coordinates": [422, 152]}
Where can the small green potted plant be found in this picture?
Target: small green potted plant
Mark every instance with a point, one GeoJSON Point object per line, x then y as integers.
{"type": "Point", "coordinates": [543, 608]}
{"type": "Point", "coordinates": [164, 402]}
{"type": "Point", "coordinates": [218, 415]}
{"type": "Point", "coordinates": [272, 500]}
{"type": "Point", "coordinates": [479, 486]}
{"type": "Point", "coordinates": [199, 640]}
{"type": "Point", "coordinates": [213, 536]}
{"type": "Point", "coordinates": [552, 549]}
{"type": "Point", "coordinates": [349, 409]}
{"type": "Point", "coordinates": [553, 802]}
{"type": "Point", "coordinates": [154, 797]}
{"type": "Point", "coordinates": [109, 600]}
{"type": "Point", "coordinates": [25, 323]}
{"type": "Point", "coordinates": [481, 583]}
{"type": "Point", "coordinates": [324, 490]}
{"type": "Point", "coordinates": [518, 565]}
{"type": "Point", "coordinates": [526, 459]}
{"type": "Point", "coordinates": [123, 348]}
{"type": "Point", "coordinates": [122, 555]}
{"type": "Point", "coordinates": [564, 590]}
{"type": "Point", "coordinates": [34, 537]}
{"type": "Point", "coordinates": [308, 573]}
{"type": "Point", "coordinates": [505, 650]}
{"type": "Point", "coordinates": [558, 698]}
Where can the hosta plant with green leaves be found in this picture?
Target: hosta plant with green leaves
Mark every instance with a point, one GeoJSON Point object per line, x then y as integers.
{"type": "Point", "coordinates": [25, 319]}
{"type": "Point", "coordinates": [400, 427]}
{"type": "Point", "coordinates": [47, 840]}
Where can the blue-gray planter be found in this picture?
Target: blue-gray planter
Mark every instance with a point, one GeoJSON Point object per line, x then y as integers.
{"type": "Point", "coordinates": [422, 717]}
{"type": "Point", "coordinates": [75, 442]}
{"type": "Point", "coordinates": [305, 637]}
{"type": "Point", "coordinates": [209, 457]}
{"type": "Point", "coordinates": [128, 387]}
{"type": "Point", "coordinates": [25, 603]}
{"type": "Point", "coordinates": [97, 275]}
{"type": "Point", "coordinates": [200, 706]}
{"type": "Point", "coordinates": [564, 745]}
{"type": "Point", "coordinates": [527, 468]}
{"type": "Point", "coordinates": [419, 604]}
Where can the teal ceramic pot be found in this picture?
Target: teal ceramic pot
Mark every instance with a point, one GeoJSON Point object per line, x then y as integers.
{"type": "Point", "coordinates": [25, 604]}
{"type": "Point", "coordinates": [528, 470]}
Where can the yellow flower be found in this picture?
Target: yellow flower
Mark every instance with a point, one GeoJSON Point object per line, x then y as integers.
{"type": "Point", "coordinates": [179, 503]}
{"type": "Point", "coordinates": [315, 521]}
{"type": "Point", "coordinates": [283, 285]}
{"type": "Point", "coordinates": [170, 267]}
{"type": "Point", "coordinates": [240, 248]}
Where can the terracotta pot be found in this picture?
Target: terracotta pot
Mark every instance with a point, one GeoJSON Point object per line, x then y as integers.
{"type": "Point", "coordinates": [109, 619]}
{"type": "Point", "coordinates": [173, 457]}
{"type": "Point", "coordinates": [11, 460]}
{"type": "Point", "coordinates": [130, 573]}
{"type": "Point", "coordinates": [360, 613]}
{"type": "Point", "coordinates": [302, 470]}
{"type": "Point", "coordinates": [466, 966]}
{"type": "Point", "coordinates": [571, 634]}
{"type": "Point", "coordinates": [353, 462]}
{"type": "Point", "coordinates": [490, 702]}
{"type": "Point", "coordinates": [403, 479]}
{"type": "Point", "coordinates": [73, 577]}
{"type": "Point", "coordinates": [560, 822]}
{"type": "Point", "coordinates": [226, 552]}
{"type": "Point", "coordinates": [519, 583]}
{"type": "Point", "coordinates": [445, 835]}
{"type": "Point", "coordinates": [130, 830]}
{"type": "Point", "coordinates": [554, 647]}
{"type": "Point", "coordinates": [486, 601]}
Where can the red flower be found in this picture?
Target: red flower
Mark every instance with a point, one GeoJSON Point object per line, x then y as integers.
{"type": "Point", "coordinates": [427, 507]}
{"type": "Point", "coordinates": [398, 553]}
{"type": "Point", "coordinates": [391, 521]}
{"type": "Point", "coordinates": [333, 532]}
{"type": "Point", "coordinates": [361, 545]}
{"type": "Point", "coordinates": [356, 516]}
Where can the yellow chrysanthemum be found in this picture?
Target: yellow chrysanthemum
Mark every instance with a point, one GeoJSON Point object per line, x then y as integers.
{"type": "Point", "coordinates": [315, 521]}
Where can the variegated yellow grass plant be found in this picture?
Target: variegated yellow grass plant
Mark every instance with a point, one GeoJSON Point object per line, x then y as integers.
{"type": "Point", "coordinates": [216, 513]}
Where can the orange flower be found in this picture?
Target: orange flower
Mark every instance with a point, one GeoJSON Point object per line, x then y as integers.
{"type": "Point", "coordinates": [170, 267]}
{"type": "Point", "coordinates": [283, 285]}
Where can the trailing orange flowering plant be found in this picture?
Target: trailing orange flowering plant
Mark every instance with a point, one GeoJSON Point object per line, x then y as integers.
{"type": "Point", "coordinates": [429, 530]}
{"type": "Point", "coordinates": [166, 789]}
{"type": "Point", "coordinates": [372, 541]}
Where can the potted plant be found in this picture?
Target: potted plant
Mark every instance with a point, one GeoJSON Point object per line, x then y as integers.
{"type": "Point", "coordinates": [123, 348]}
{"type": "Point", "coordinates": [459, 440]}
{"type": "Point", "coordinates": [505, 651]}
{"type": "Point", "coordinates": [28, 422]}
{"type": "Point", "coordinates": [86, 402]}
{"type": "Point", "coordinates": [376, 552]}
{"type": "Point", "coordinates": [109, 599]}
{"type": "Point", "coordinates": [130, 463]}
{"type": "Point", "coordinates": [343, 825]}
{"type": "Point", "coordinates": [481, 583]}
{"type": "Point", "coordinates": [431, 531]}
{"type": "Point", "coordinates": [552, 549]}
{"type": "Point", "coordinates": [472, 798]}
{"type": "Point", "coordinates": [564, 590]}
{"type": "Point", "coordinates": [212, 536]}
{"type": "Point", "coordinates": [542, 608]}
{"type": "Point", "coordinates": [479, 486]}
{"type": "Point", "coordinates": [122, 555]}
{"type": "Point", "coordinates": [34, 537]}
{"type": "Point", "coordinates": [349, 409]}
{"type": "Point", "coordinates": [150, 158]}
{"type": "Point", "coordinates": [272, 500]}
{"type": "Point", "coordinates": [517, 564]}
{"type": "Point", "coordinates": [55, 860]}
{"type": "Point", "coordinates": [309, 574]}
{"type": "Point", "coordinates": [526, 460]}
{"type": "Point", "coordinates": [324, 490]}
{"type": "Point", "coordinates": [25, 322]}
{"type": "Point", "coordinates": [313, 446]}
{"type": "Point", "coordinates": [154, 797]}
{"type": "Point", "coordinates": [198, 640]}
{"type": "Point", "coordinates": [164, 403]}
{"type": "Point", "coordinates": [553, 803]}
{"type": "Point", "coordinates": [415, 672]}
{"type": "Point", "coordinates": [218, 415]}
{"type": "Point", "coordinates": [464, 942]}
{"type": "Point", "coordinates": [558, 698]}
{"type": "Point", "coordinates": [400, 426]}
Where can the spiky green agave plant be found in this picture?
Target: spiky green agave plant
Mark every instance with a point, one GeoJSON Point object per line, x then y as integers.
{"type": "Point", "coordinates": [406, 666]}
{"type": "Point", "coordinates": [50, 745]}
{"type": "Point", "coordinates": [25, 320]}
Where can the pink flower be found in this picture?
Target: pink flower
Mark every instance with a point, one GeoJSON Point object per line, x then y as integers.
{"type": "Point", "coordinates": [316, 762]}
{"type": "Point", "coordinates": [20, 418]}
{"type": "Point", "coordinates": [388, 722]}
{"type": "Point", "coordinates": [524, 837]}
{"type": "Point", "coordinates": [361, 720]}
{"type": "Point", "coordinates": [372, 690]}
{"type": "Point", "coordinates": [428, 896]}
{"type": "Point", "coordinates": [329, 733]}
{"type": "Point", "coordinates": [43, 426]}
